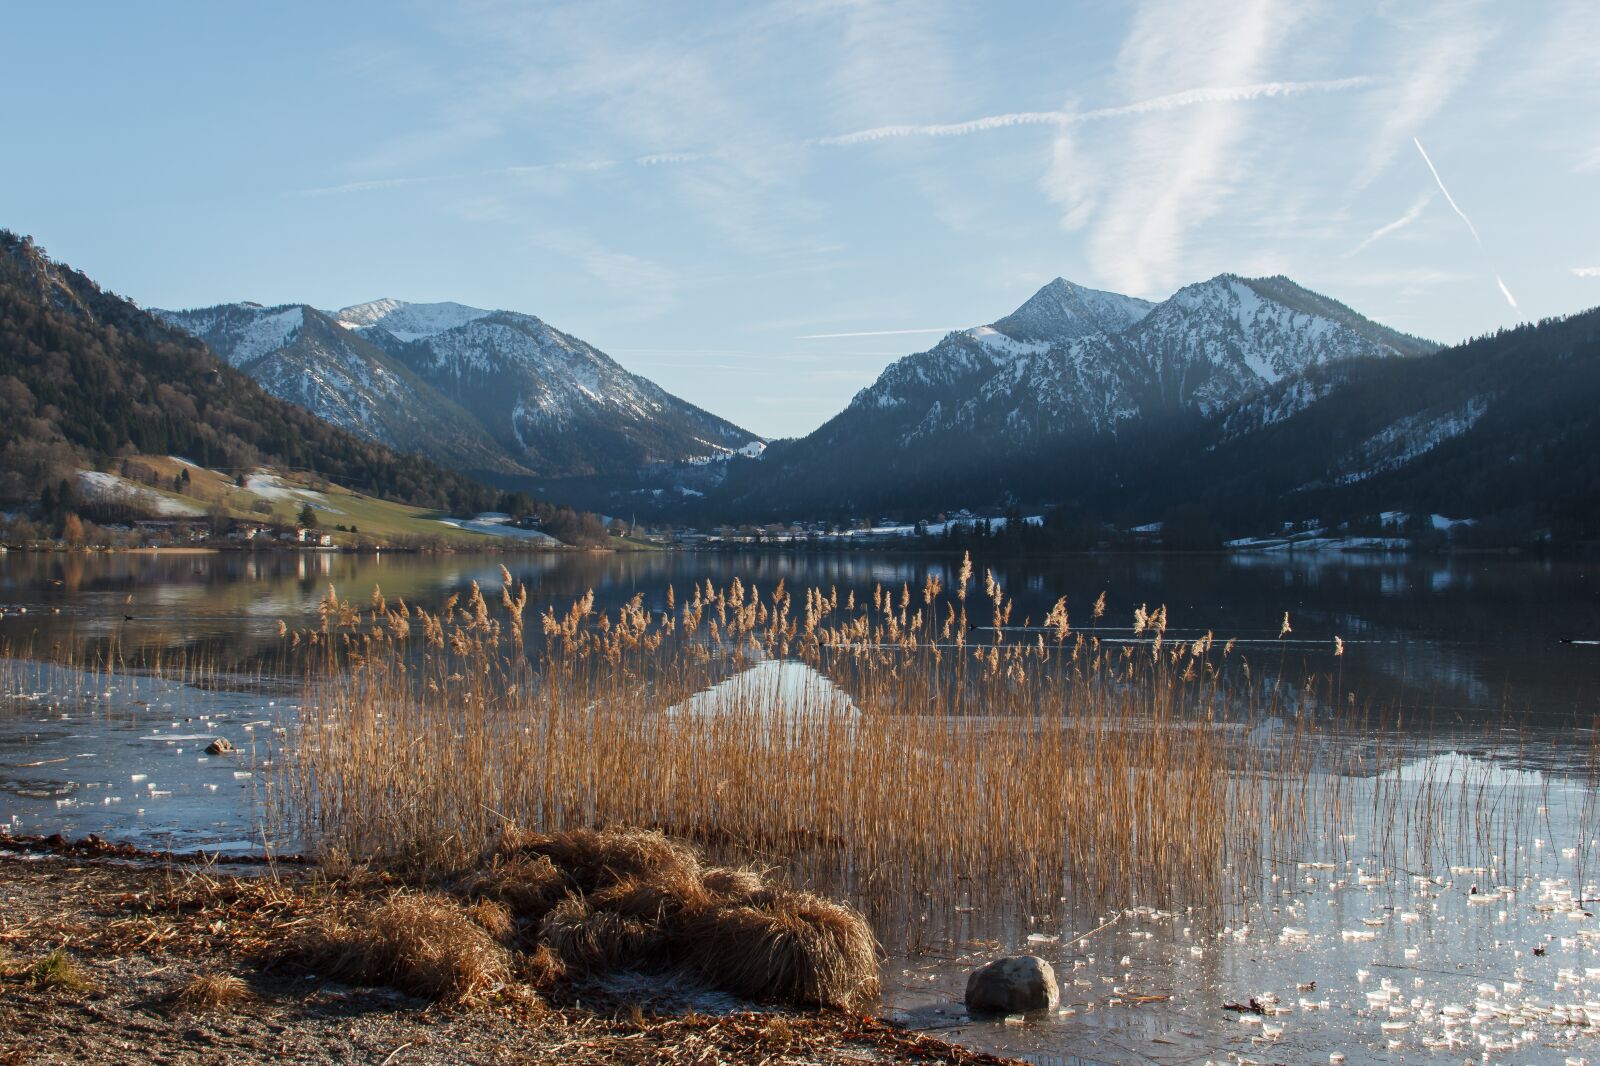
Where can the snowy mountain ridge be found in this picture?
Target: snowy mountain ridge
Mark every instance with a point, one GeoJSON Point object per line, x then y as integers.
{"type": "Point", "coordinates": [480, 390]}
{"type": "Point", "coordinates": [407, 321]}
{"type": "Point", "coordinates": [1073, 359]}
{"type": "Point", "coordinates": [1079, 376]}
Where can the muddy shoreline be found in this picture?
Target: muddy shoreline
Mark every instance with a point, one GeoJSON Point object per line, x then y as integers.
{"type": "Point", "coordinates": [99, 941]}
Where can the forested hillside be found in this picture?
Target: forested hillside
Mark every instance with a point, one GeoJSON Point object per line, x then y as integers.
{"type": "Point", "coordinates": [86, 376]}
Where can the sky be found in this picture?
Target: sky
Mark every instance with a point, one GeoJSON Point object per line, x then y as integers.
{"type": "Point", "coordinates": [761, 205]}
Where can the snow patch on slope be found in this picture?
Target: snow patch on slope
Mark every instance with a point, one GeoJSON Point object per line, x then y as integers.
{"type": "Point", "coordinates": [408, 322]}
{"type": "Point", "coordinates": [1408, 439]}
{"type": "Point", "coordinates": [996, 341]}
{"type": "Point", "coordinates": [109, 488]}
{"type": "Point", "coordinates": [240, 334]}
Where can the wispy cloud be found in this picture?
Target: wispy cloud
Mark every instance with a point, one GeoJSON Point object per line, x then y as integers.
{"type": "Point", "coordinates": [1436, 48]}
{"type": "Point", "coordinates": [1142, 192]}
{"type": "Point", "coordinates": [1165, 102]}
{"type": "Point", "coordinates": [375, 185]}
{"type": "Point", "coordinates": [1413, 213]}
{"type": "Point", "coordinates": [880, 333]}
{"type": "Point", "coordinates": [513, 171]}
{"type": "Point", "coordinates": [1451, 200]}
{"type": "Point", "coordinates": [647, 287]}
{"type": "Point", "coordinates": [1587, 272]}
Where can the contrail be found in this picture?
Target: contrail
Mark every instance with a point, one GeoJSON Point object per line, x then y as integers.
{"type": "Point", "coordinates": [1187, 98]}
{"type": "Point", "coordinates": [1451, 200]}
{"type": "Point", "coordinates": [1510, 299]}
{"type": "Point", "coordinates": [878, 333]}
{"type": "Point", "coordinates": [1412, 214]}
{"type": "Point", "coordinates": [1587, 272]}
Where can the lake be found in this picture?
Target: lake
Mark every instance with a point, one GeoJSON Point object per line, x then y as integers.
{"type": "Point", "coordinates": [1344, 954]}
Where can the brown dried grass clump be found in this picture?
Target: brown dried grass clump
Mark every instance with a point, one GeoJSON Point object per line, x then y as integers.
{"type": "Point", "coordinates": [541, 969]}
{"type": "Point", "coordinates": [494, 918]}
{"type": "Point", "coordinates": [427, 945]}
{"type": "Point", "coordinates": [798, 949]}
{"type": "Point", "coordinates": [595, 858]}
{"type": "Point", "coordinates": [212, 991]}
{"type": "Point", "coordinates": [642, 901]}
{"type": "Point", "coordinates": [670, 895]}
{"type": "Point", "coordinates": [594, 941]}
{"type": "Point", "coordinates": [735, 884]}
{"type": "Point", "coordinates": [530, 885]}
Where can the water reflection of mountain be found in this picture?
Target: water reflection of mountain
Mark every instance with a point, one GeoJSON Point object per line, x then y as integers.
{"type": "Point", "coordinates": [1449, 636]}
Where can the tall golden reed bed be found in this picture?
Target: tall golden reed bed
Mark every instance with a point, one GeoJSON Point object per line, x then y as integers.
{"type": "Point", "coordinates": [955, 746]}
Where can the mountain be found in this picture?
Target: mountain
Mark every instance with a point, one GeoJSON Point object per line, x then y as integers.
{"type": "Point", "coordinates": [1504, 429]}
{"type": "Point", "coordinates": [1062, 310]}
{"type": "Point", "coordinates": [1005, 410]}
{"type": "Point", "coordinates": [498, 393]}
{"type": "Point", "coordinates": [300, 354]}
{"type": "Point", "coordinates": [556, 404]}
{"type": "Point", "coordinates": [86, 376]}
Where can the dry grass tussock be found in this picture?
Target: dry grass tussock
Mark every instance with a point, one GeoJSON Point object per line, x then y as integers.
{"type": "Point", "coordinates": [212, 991]}
{"type": "Point", "coordinates": [425, 944]}
{"type": "Point", "coordinates": [641, 901]}
{"type": "Point", "coordinates": [632, 900]}
{"type": "Point", "coordinates": [55, 970]}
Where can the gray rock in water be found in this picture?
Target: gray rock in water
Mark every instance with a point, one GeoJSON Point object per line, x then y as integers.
{"type": "Point", "coordinates": [220, 746]}
{"type": "Point", "coordinates": [1017, 983]}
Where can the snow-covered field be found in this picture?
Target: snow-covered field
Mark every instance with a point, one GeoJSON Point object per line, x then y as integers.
{"type": "Point", "coordinates": [498, 525]}
{"type": "Point", "coordinates": [109, 488]}
{"type": "Point", "coordinates": [272, 487]}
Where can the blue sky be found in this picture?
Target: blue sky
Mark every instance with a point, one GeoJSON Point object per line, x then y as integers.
{"type": "Point", "coordinates": [749, 202]}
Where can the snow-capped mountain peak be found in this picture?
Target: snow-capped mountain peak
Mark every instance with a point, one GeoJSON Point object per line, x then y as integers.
{"type": "Point", "coordinates": [1063, 310]}
{"type": "Point", "coordinates": [408, 321]}
{"type": "Point", "coordinates": [479, 390]}
{"type": "Point", "coordinates": [1078, 365]}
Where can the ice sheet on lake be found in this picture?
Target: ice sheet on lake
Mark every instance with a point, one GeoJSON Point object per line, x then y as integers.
{"type": "Point", "coordinates": [782, 689]}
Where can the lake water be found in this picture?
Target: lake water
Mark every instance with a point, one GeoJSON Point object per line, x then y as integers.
{"type": "Point", "coordinates": [1365, 954]}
